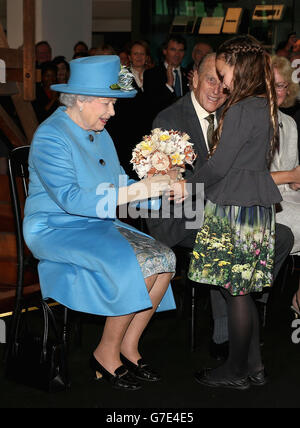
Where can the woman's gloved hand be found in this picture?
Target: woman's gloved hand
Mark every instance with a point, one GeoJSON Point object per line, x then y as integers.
{"type": "Point", "coordinates": [150, 187]}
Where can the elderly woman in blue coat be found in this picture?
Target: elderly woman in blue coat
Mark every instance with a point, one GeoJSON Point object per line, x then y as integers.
{"type": "Point", "coordinates": [88, 259]}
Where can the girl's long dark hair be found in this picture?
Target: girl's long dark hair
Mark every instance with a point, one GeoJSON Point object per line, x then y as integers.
{"type": "Point", "coordinates": [253, 76]}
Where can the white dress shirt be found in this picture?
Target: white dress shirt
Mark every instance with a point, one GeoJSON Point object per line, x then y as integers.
{"type": "Point", "coordinates": [202, 114]}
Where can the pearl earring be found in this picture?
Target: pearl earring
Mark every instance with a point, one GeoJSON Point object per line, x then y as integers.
{"type": "Point", "coordinates": [80, 108]}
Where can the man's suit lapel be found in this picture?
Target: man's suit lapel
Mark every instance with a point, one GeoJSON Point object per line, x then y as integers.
{"type": "Point", "coordinates": [195, 129]}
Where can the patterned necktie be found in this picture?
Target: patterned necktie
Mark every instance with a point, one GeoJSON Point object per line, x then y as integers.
{"type": "Point", "coordinates": [177, 86]}
{"type": "Point", "coordinates": [210, 130]}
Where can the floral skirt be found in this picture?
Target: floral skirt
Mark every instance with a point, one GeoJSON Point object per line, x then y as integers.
{"type": "Point", "coordinates": [152, 256]}
{"type": "Point", "coordinates": [234, 248]}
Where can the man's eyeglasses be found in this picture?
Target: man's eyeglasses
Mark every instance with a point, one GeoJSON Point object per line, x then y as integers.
{"type": "Point", "coordinates": [281, 86]}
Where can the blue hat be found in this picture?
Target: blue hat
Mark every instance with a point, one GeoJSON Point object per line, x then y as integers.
{"type": "Point", "coordinates": [99, 76]}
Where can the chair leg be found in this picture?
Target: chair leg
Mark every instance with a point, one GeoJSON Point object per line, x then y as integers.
{"type": "Point", "coordinates": [285, 274]}
{"type": "Point", "coordinates": [193, 316]}
{"type": "Point", "coordinates": [65, 328]}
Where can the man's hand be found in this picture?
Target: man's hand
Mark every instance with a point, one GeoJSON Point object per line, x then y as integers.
{"type": "Point", "coordinates": [297, 174]}
{"type": "Point", "coordinates": [295, 186]}
{"type": "Point", "coordinates": [170, 76]}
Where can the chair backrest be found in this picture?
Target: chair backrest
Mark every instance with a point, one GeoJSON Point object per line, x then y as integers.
{"type": "Point", "coordinates": [18, 170]}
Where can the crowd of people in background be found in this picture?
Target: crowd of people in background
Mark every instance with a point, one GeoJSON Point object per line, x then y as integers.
{"type": "Point", "coordinates": [158, 84]}
{"type": "Point", "coordinates": [156, 88]}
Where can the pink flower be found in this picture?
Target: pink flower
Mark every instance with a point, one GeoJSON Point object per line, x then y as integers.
{"type": "Point", "coordinates": [227, 285]}
{"type": "Point", "coordinates": [263, 262]}
{"type": "Point", "coordinates": [160, 161]}
{"type": "Point", "coordinates": [257, 252]}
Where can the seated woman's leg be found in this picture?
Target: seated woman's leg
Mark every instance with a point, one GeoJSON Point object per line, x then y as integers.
{"type": "Point", "coordinates": [122, 333]}
{"type": "Point", "coordinates": [107, 352]}
{"type": "Point", "coordinates": [130, 342]}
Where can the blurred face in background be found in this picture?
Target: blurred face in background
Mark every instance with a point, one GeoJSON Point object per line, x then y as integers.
{"type": "Point", "coordinates": [200, 51]}
{"type": "Point", "coordinates": [43, 53]}
{"type": "Point", "coordinates": [296, 47]}
{"type": "Point", "coordinates": [124, 60]}
{"type": "Point", "coordinates": [174, 53]}
{"type": "Point", "coordinates": [81, 47]}
{"type": "Point", "coordinates": [281, 87]}
{"type": "Point", "coordinates": [49, 77]}
{"type": "Point", "coordinates": [138, 56]}
{"type": "Point", "coordinates": [62, 73]}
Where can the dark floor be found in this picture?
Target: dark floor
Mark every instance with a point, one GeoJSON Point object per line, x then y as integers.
{"type": "Point", "coordinates": [166, 345]}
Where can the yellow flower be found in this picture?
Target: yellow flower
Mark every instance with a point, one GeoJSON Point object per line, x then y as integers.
{"type": "Point", "coordinates": [196, 255]}
{"type": "Point", "coordinates": [147, 146]}
{"type": "Point", "coordinates": [207, 265]}
{"type": "Point", "coordinates": [177, 159]}
{"type": "Point", "coordinates": [164, 137]}
{"type": "Point", "coordinates": [223, 263]}
{"type": "Point", "coordinates": [203, 255]}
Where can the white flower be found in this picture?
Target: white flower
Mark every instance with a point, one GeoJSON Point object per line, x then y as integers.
{"type": "Point", "coordinates": [161, 150]}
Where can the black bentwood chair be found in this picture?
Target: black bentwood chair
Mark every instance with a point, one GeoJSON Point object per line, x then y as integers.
{"type": "Point", "coordinates": [18, 179]}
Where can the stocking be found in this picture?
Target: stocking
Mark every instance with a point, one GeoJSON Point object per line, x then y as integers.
{"type": "Point", "coordinates": [244, 349]}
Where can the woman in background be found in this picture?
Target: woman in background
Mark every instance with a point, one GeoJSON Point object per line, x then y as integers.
{"type": "Point", "coordinates": [46, 101]}
{"type": "Point", "coordinates": [286, 160]}
{"type": "Point", "coordinates": [139, 55]}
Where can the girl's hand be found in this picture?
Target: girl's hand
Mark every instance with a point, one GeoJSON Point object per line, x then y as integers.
{"type": "Point", "coordinates": [178, 191]}
{"type": "Point", "coordinates": [175, 174]}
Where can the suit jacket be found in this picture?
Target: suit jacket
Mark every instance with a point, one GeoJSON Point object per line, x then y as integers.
{"type": "Point", "coordinates": [157, 95]}
{"type": "Point", "coordinates": [179, 116]}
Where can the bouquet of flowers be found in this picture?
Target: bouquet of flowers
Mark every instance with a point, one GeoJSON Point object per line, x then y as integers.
{"type": "Point", "coordinates": [162, 151]}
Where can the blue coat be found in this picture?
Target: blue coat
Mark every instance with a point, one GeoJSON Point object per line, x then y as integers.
{"type": "Point", "coordinates": [70, 222]}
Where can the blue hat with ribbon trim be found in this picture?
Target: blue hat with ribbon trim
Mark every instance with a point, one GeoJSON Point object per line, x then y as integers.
{"type": "Point", "coordinates": [99, 76]}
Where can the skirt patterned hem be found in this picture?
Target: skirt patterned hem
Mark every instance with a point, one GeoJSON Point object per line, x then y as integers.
{"type": "Point", "coordinates": [152, 256]}
{"type": "Point", "coordinates": [227, 286]}
{"type": "Point", "coordinates": [234, 249]}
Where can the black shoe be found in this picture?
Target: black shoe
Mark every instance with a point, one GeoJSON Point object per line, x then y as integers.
{"type": "Point", "coordinates": [204, 377]}
{"type": "Point", "coordinates": [219, 351]}
{"type": "Point", "coordinates": [141, 370]}
{"type": "Point", "coordinates": [122, 379]}
{"type": "Point", "coordinates": [259, 378]}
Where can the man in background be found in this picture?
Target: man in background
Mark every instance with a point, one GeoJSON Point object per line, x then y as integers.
{"type": "Point", "coordinates": [167, 82]}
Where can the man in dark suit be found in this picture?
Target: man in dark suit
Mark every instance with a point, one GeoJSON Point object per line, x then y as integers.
{"type": "Point", "coordinates": [190, 114]}
{"type": "Point", "coordinates": [167, 82]}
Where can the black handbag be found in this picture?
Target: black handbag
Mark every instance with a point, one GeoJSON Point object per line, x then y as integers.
{"type": "Point", "coordinates": [38, 360]}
